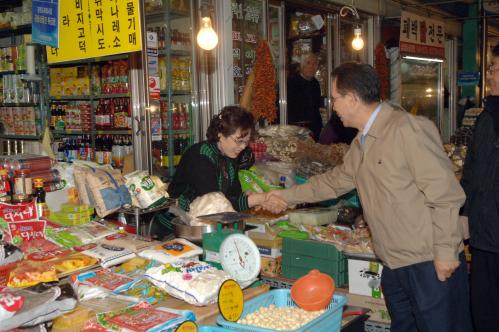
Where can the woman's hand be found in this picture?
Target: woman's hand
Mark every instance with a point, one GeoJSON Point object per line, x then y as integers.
{"type": "Point", "coordinates": [268, 201]}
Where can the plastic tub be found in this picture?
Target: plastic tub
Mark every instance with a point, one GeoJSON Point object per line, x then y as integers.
{"type": "Point", "coordinates": [329, 321]}
{"type": "Point", "coordinates": [212, 329]}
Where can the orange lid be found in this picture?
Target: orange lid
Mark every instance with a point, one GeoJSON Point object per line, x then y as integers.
{"type": "Point", "coordinates": [38, 182]}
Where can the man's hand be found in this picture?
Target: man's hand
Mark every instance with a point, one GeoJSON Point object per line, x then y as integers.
{"type": "Point", "coordinates": [274, 203]}
{"type": "Point", "coordinates": [466, 227]}
{"type": "Point", "coordinates": [445, 269]}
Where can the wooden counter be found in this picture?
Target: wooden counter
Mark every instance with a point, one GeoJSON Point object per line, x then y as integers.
{"type": "Point", "coordinates": [207, 315]}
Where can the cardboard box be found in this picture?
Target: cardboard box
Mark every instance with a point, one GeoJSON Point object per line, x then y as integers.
{"type": "Point", "coordinates": [270, 248]}
{"type": "Point", "coordinates": [379, 312]}
{"type": "Point", "coordinates": [364, 278]}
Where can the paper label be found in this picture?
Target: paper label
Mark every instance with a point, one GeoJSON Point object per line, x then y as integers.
{"type": "Point", "coordinates": [27, 230]}
{"type": "Point", "coordinates": [18, 212]}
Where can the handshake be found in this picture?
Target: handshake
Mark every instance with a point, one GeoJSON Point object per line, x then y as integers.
{"type": "Point", "coordinates": [271, 201]}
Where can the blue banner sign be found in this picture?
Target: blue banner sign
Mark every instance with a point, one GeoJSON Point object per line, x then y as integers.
{"type": "Point", "coordinates": [45, 26]}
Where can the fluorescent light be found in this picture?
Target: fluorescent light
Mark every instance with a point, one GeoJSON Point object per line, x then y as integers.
{"type": "Point", "coordinates": [423, 59]}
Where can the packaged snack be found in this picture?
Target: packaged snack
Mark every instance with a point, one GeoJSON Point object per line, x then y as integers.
{"type": "Point", "coordinates": [144, 318]}
{"type": "Point", "coordinates": [41, 306]}
{"type": "Point", "coordinates": [9, 253]}
{"type": "Point", "coordinates": [195, 282]}
{"type": "Point", "coordinates": [107, 255]}
{"type": "Point", "coordinates": [10, 303]}
{"type": "Point", "coordinates": [131, 242]}
{"type": "Point", "coordinates": [29, 273]}
{"type": "Point", "coordinates": [145, 190]}
{"type": "Point", "coordinates": [102, 188]}
{"type": "Point", "coordinates": [172, 250]}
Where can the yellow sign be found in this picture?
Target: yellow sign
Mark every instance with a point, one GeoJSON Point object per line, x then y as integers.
{"type": "Point", "coordinates": [230, 300]}
{"type": "Point", "coordinates": [188, 326]}
{"type": "Point", "coordinates": [95, 28]}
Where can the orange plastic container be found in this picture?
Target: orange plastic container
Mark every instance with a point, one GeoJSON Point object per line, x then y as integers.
{"type": "Point", "coordinates": [313, 291]}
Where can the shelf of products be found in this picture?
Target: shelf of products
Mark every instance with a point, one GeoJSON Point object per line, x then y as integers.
{"type": "Point", "coordinates": [173, 124]}
{"type": "Point", "coordinates": [22, 112]}
{"type": "Point", "coordinates": [90, 110]}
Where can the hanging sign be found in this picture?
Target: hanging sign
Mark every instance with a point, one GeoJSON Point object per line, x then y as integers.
{"type": "Point", "coordinates": [45, 26]}
{"type": "Point", "coordinates": [421, 36]}
{"type": "Point", "coordinates": [95, 28]}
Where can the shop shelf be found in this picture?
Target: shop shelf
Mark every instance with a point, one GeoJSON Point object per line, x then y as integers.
{"type": "Point", "coordinates": [176, 52]}
{"type": "Point", "coordinates": [329, 321]}
{"type": "Point", "coordinates": [25, 137]}
{"type": "Point", "coordinates": [112, 95]}
{"type": "Point", "coordinates": [18, 104]}
{"type": "Point", "coordinates": [114, 132]}
{"type": "Point", "coordinates": [12, 72]}
{"type": "Point", "coordinates": [85, 97]}
{"type": "Point", "coordinates": [176, 93]}
{"type": "Point", "coordinates": [161, 15]}
{"type": "Point", "coordinates": [177, 131]}
{"type": "Point", "coordinates": [69, 132]}
{"type": "Point", "coordinates": [18, 30]}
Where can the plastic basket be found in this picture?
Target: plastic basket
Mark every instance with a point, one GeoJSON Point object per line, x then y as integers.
{"type": "Point", "coordinates": [212, 329]}
{"type": "Point", "coordinates": [329, 321]}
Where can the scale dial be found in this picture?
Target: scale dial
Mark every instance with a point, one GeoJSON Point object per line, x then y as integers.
{"type": "Point", "coordinates": [240, 258]}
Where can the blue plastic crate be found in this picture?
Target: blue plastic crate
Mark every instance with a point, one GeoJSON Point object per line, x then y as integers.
{"type": "Point", "coordinates": [329, 321]}
{"type": "Point", "coordinates": [212, 329]}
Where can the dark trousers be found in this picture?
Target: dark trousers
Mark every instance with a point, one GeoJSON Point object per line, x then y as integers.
{"type": "Point", "coordinates": [418, 301]}
{"type": "Point", "coordinates": [485, 290]}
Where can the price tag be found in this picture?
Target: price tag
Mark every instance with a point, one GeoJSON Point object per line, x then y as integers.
{"type": "Point", "coordinates": [230, 300]}
{"type": "Point", "coordinates": [187, 326]}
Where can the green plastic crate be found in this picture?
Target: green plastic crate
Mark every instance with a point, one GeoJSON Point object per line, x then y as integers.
{"type": "Point", "coordinates": [301, 256]}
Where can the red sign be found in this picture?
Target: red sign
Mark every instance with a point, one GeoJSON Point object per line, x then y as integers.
{"type": "Point", "coordinates": [18, 212]}
{"type": "Point", "coordinates": [27, 230]}
{"type": "Point", "coordinates": [421, 36]}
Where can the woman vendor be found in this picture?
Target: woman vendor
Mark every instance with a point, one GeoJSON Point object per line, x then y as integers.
{"type": "Point", "coordinates": [213, 165]}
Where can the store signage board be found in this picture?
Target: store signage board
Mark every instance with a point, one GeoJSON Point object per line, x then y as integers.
{"type": "Point", "coordinates": [45, 26]}
{"type": "Point", "coordinates": [468, 78]}
{"type": "Point", "coordinates": [96, 28]}
{"type": "Point", "coordinates": [421, 36]}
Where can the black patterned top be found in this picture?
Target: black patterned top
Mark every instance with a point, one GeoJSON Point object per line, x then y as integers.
{"type": "Point", "coordinates": [204, 169]}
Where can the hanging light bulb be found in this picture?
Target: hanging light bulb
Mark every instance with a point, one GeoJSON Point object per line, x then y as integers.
{"type": "Point", "coordinates": [357, 42]}
{"type": "Point", "coordinates": [207, 37]}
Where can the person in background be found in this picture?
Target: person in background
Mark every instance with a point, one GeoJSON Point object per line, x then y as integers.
{"type": "Point", "coordinates": [213, 165]}
{"type": "Point", "coordinates": [304, 96]}
{"type": "Point", "coordinates": [335, 132]}
{"type": "Point", "coordinates": [480, 181]}
{"type": "Point", "coordinates": [410, 199]}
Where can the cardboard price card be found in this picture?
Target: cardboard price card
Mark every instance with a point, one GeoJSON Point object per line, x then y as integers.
{"type": "Point", "coordinates": [230, 300]}
{"type": "Point", "coordinates": [89, 29]}
{"type": "Point", "coordinates": [187, 326]}
{"type": "Point", "coordinates": [18, 212]}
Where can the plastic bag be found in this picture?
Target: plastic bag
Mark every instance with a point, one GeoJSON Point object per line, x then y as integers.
{"type": "Point", "coordinates": [103, 189]}
{"type": "Point", "coordinates": [172, 251]}
{"type": "Point", "coordinates": [195, 282]}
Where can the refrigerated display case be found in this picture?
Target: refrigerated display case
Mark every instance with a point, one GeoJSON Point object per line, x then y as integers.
{"type": "Point", "coordinates": [171, 111]}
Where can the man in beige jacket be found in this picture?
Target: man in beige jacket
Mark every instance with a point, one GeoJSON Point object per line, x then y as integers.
{"type": "Point", "coordinates": [410, 198]}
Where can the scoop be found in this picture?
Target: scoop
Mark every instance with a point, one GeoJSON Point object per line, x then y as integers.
{"type": "Point", "coordinates": [313, 291]}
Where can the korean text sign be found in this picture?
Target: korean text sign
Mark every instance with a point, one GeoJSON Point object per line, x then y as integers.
{"type": "Point", "coordinates": [45, 23]}
{"type": "Point", "coordinates": [422, 36]}
{"type": "Point", "coordinates": [95, 28]}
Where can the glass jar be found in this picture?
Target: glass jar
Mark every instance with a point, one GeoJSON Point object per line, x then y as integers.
{"type": "Point", "coordinates": [22, 185]}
